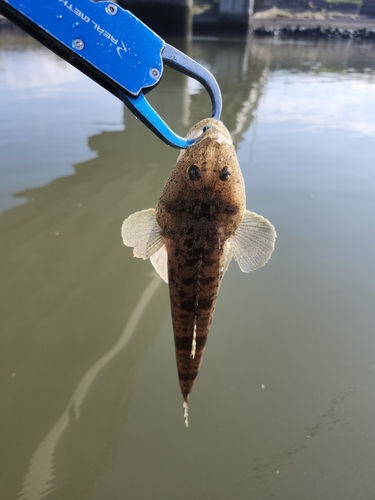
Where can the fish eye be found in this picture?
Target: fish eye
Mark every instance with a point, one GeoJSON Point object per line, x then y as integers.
{"type": "Point", "coordinates": [207, 127]}
{"type": "Point", "coordinates": [194, 173]}
{"type": "Point", "coordinates": [225, 173]}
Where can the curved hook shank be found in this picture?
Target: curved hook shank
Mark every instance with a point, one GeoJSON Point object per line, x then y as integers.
{"type": "Point", "coordinates": [183, 63]}
{"type": "Point", "coordinates": [142, 109]}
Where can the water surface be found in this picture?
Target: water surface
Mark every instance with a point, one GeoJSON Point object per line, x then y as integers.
{"type": "Point", "coordinates": [283, 407]}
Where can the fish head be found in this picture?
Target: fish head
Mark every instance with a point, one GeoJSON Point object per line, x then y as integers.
{"type": "Point", "coordinates": [206, 187]}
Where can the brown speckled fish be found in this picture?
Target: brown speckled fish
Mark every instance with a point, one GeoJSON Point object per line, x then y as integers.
{"type": "Point", "coordinates": [199, 223]}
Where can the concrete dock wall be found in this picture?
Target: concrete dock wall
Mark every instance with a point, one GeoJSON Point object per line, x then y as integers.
{"type": "Point", "coordinates": [165, 17]}
{"type": "Point", "coordinates": [234, 16]}
{"type": "Point", "coordinates": [174, 17]}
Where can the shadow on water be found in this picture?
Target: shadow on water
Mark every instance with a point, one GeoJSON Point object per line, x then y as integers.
{"type": "Point", "coordinates": [65, 300]}
{"type": "Point", "coordinates": [39, 479]}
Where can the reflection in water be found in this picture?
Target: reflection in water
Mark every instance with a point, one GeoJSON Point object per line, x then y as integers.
{"type": "Point", "coordinates": [39, 478]}
{"type": "Point", "coordinates": [241, 77]}
{"type": "Point", "coordinates": [302, 327]}
{"type": "Point", "coordinates": [68, 289]}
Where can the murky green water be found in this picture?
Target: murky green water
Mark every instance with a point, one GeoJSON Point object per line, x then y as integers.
{"type": "Point", "coordinates": [284, 404]}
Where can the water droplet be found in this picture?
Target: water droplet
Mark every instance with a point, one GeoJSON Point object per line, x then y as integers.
{"type": "Point", "coordinates": [59, 16]}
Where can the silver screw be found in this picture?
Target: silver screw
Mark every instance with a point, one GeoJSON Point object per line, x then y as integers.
{"type": "Point", "coordinates": [154, 73]}
{"type": "Point", "coordinates": [111, 9]}
{"type": "Point", "coordinates": [78, 44]}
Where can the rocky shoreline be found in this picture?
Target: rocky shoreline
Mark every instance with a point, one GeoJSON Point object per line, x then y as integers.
{"type": "Point", "coordinates": [344, 27]}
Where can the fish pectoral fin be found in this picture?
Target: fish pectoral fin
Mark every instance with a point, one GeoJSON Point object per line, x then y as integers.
{"type": "Point", "coordinates": [141, 231]}
{"type": "Point", "coordinates": [253, 242]}
{"type": "Point", "coordinates": [160, 262]}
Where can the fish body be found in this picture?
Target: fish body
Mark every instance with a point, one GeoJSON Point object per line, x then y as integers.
{"type": "Point", "coordinates": [199, 223]}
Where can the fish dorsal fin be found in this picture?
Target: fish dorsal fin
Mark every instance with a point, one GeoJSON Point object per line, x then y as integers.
{"type": "Point", "coordinates": [160, 262]}
{"type": "Point", "coordinates": [141, 231]}
{"type": "Point", "coordinates": [253, 242]}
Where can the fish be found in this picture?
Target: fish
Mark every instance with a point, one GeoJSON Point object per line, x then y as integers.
{"type": "Point", "coordinates": [200, 222]}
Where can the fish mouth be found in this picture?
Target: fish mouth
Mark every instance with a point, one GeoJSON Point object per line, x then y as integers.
{"type": "Point", "coordinates": [209, 128]}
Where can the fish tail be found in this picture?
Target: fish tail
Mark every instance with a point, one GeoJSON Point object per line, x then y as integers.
{"type": "Point", "coordinates": [186, 412]}
{"type": "Point", "coordinates": [194, 279]}
{"type": "Point", "coordinates": [188, 363]}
